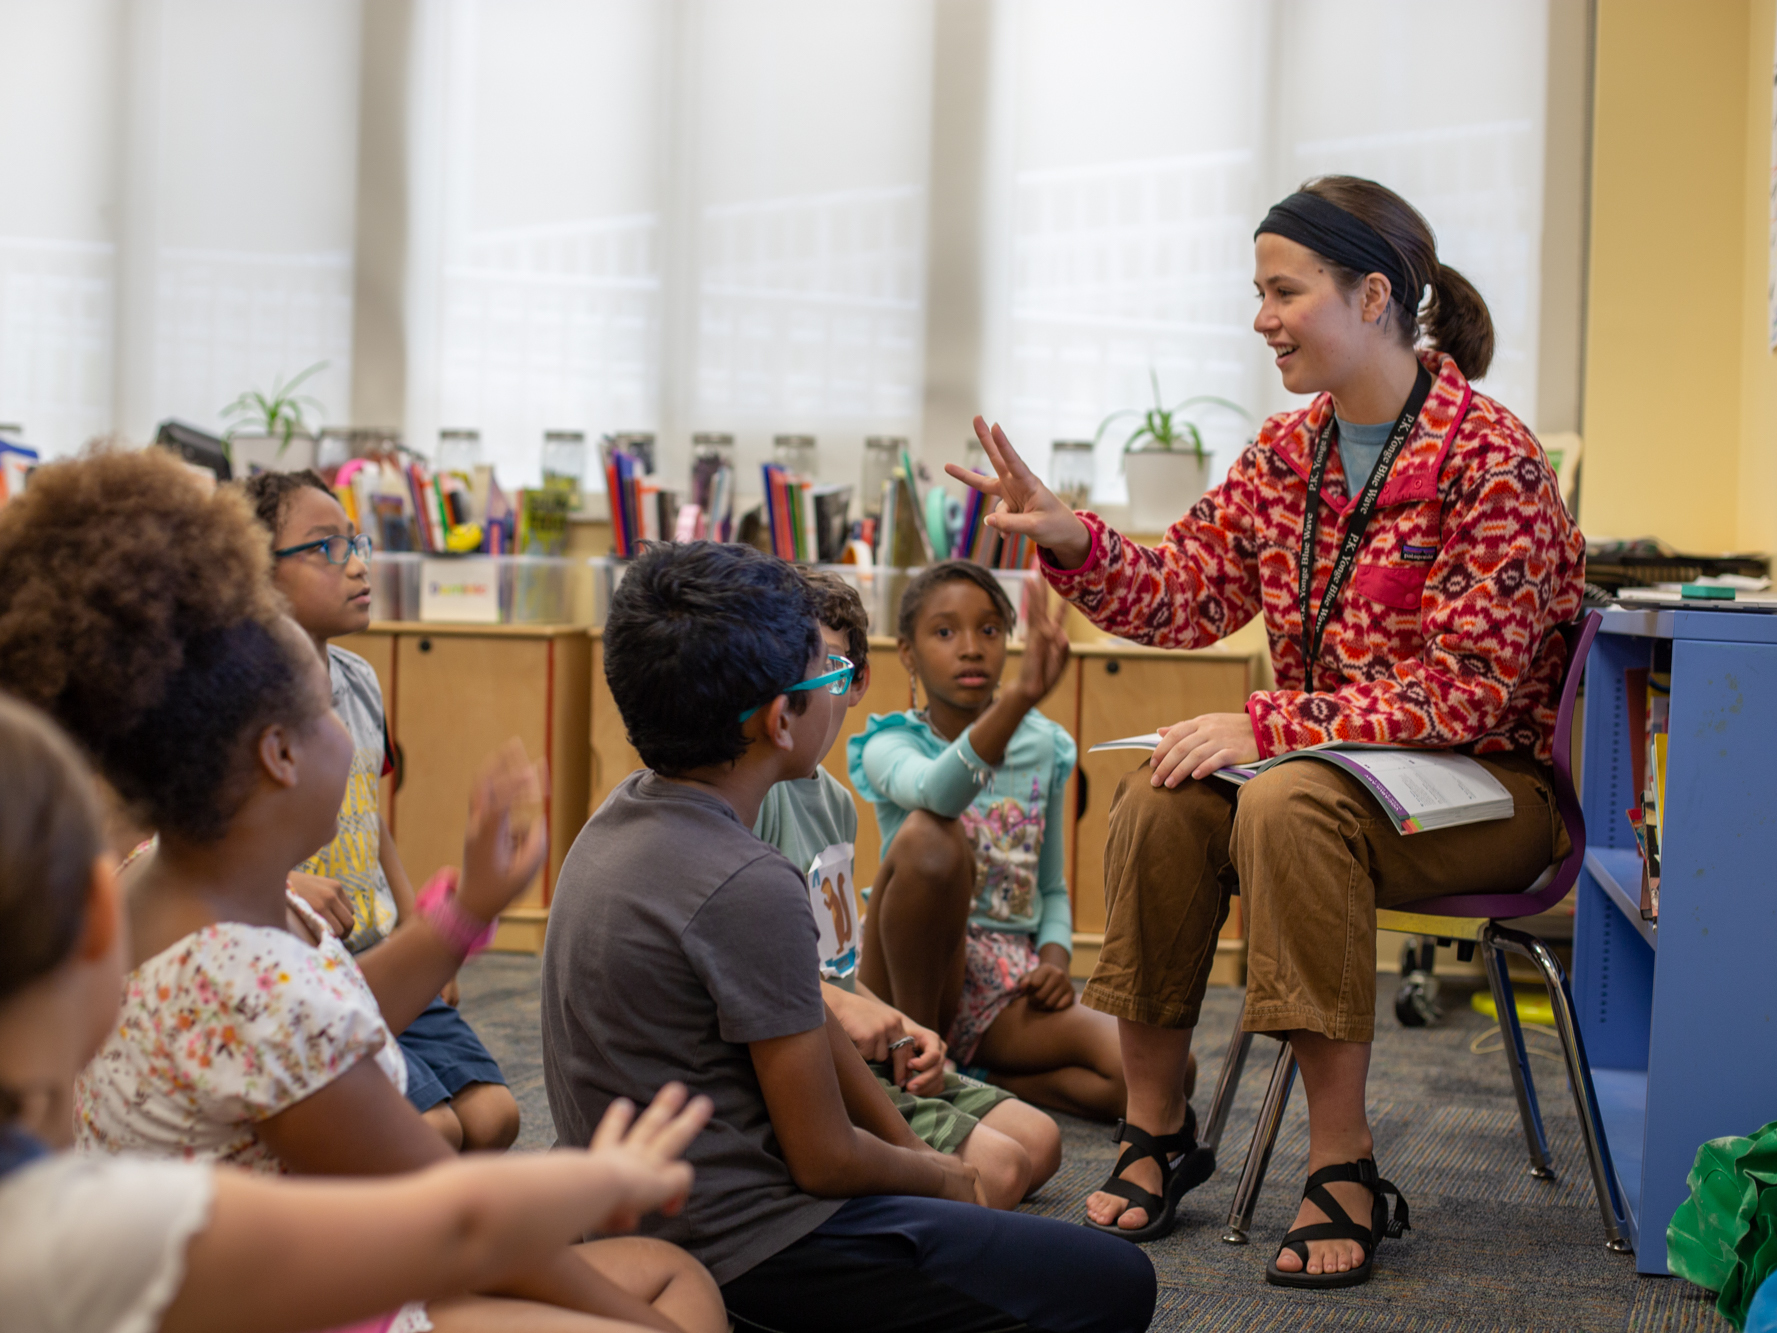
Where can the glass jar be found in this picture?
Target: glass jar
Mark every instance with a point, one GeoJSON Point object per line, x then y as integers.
{"type": "Point", "coordinates": [1071, 469]}
{"type": "Point", "coordinates": [638, 444]}
{"type": "Point", "coordinates": [795, 453]}
{"type": "Point", "coordinates": [564, 463]}
{"type": "Point", "coordinates": [459, 451]}
{"type": "Point", "coordinates": [882, 455]}
{"type": "Point", "coordinates": [712, 481]}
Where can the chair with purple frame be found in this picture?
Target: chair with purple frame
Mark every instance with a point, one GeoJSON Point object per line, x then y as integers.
{"type": "Point", "coordinates": [1472, 921]}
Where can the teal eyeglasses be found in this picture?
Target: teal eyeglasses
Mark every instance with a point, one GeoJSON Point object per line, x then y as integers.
{"type": "Point", "coordinates": [338, 550]}
{"type": "Point", "coordinates": [836, 681]}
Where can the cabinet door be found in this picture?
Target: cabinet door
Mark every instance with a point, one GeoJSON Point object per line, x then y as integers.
{"type": "Point", "coordinates": [460, 698]}
{"type": "Point", "coordinates": [1127, 696]}
{"type": "Point", "coordinates": [613, 757]}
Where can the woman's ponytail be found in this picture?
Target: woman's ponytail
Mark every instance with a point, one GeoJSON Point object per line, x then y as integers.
{"type": "Point", "coordinates": [1457, 322]}
{"type": "Point", "coordinates": [1454, 318]}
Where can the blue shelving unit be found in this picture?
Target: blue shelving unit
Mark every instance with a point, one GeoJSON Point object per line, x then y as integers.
{"type": "Point", "coordinates": [1680, 1019]}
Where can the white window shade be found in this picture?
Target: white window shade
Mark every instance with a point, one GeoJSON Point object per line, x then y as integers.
{"type": "Point", "coordinates": [58, 76]}
{"type": "Point", "coordinates": [242, 203]}
{"type": "Point", "coordinates": [806, 175]}
{"type": "Point", "coordinates": [536, 268]}
{"type": "Point", "coordinates": [1143, 141]}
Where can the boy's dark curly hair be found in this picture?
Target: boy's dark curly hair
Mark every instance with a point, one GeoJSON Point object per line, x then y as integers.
{"type": "Point", "coordinates": [138, 611]}
{"type": "Point", "coordinates": [698, 633]}
{"type": "Point", "coordinates": [270, 494]}
{"type": "Point", "coordinates": [838, 607]}
{"type": "Point", "coordinates": [933, 577]}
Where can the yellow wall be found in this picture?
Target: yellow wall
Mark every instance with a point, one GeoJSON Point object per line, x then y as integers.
{"type": "Point", "coordinates": [1680, 387]}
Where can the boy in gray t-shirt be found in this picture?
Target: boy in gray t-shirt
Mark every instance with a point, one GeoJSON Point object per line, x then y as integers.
{"type": "Point", "coordinates": [681, 947]}
{"type": "Point", "coordinates": [814, 822]}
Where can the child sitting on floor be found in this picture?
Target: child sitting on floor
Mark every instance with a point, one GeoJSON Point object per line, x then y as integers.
{"type": "Point", "coordinates": [681, 947]}
{"type": "Point", "coordinates": [970, 930]}
{"type": "Point", "coordinates": [140, 612]}
{"type": "Point", "coordinates": [812, 820]}
{"type": "Point", "coordinates": [322, 566]}
{"type": "Point", "coordinates": [132, 1245]}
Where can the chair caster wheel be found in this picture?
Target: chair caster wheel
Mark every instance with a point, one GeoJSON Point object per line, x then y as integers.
{"type": "Point", "coordinates": [1416, 1002]}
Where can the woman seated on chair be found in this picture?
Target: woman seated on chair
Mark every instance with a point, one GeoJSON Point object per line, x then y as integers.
{"type": "Point", "coordinates": [1442, 561]}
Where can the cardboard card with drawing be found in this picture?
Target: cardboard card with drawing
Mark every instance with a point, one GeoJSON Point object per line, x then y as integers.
{"type": "Point", "coordinates": [833, 898]}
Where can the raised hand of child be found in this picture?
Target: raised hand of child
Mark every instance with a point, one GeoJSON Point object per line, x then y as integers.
{"type": "Point", "coordinates": [644, 1155]}
{"type": "Point", "coordinates": [506, 839]}
{"type": "Point", "coordinates": [327, 896]}
{"type": "Point", "coordinates": [1045, 643]}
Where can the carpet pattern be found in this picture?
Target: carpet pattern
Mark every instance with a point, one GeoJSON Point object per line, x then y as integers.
{"type": "Point", "coordinates": [1490, 1249]}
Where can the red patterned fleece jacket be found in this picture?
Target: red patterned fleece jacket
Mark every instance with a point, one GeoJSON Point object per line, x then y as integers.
{"type": "Point", "coordinates": [1444, 635]}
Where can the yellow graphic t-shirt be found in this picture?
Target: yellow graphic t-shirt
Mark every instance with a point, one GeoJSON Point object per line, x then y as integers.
{"type": "Point", "coordinates": [353, 855]}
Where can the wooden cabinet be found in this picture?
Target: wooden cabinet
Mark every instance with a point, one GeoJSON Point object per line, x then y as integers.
{"type": "Point", "coordinates": [454, 694]}
{"type": "Point", "coordinates": [1126, 691]}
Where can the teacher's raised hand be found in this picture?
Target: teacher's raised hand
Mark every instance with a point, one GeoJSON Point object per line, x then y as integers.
{"type": "Point", "coordinates": [1026, 506]}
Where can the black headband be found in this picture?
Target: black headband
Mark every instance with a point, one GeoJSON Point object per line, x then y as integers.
{"type": "Point", "coordinates": [1342, 237]}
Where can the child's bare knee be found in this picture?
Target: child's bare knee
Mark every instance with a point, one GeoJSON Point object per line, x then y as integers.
{"type": "Point", "coordinates": [934, 849]}
{"type": "Point", "coordinates": [1004, 1166]}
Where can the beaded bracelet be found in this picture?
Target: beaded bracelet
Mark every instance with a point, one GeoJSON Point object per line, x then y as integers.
{"type": "Point", "coordinates": [467, 935]}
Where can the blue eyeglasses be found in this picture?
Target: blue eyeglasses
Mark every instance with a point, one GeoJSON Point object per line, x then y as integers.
{"type": "Point", "coordinates": [836, 681]}
{"type": "Point", "coordinates": [338, 550]}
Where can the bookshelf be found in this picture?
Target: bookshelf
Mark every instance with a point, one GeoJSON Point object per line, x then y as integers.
{"type": "Point", "coordinates": [1679, 1017]}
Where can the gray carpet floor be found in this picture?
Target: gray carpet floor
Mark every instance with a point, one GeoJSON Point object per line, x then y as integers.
{"type": "Point", "coordinates": [1490, 1248]}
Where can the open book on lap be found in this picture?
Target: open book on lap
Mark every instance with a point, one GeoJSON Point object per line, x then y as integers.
{"type": "Point", "coordinates": [1419, 790]}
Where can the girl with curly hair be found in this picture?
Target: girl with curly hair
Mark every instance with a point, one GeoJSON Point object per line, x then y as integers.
{"type": "Point", "coordinates": [138, 611]}
{"type": "Point", "coordinates": [114, 1243]}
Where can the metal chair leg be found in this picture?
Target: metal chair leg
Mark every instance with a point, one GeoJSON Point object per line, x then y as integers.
{"type": "Point", "coordinates": [1579, 1077]}
{"type": "Point", "coordinates": [1258, 1155]}
{"type": "Point", "coordinates": [1517, 1057]}
{"type": "Point", "coordinates": [1227, 1083]}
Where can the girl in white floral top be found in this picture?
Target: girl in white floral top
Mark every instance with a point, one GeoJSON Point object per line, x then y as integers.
{"type": "Point", "coordinates": [139, 611]}
{"type": "Point", "coordinates": [121, 1244]}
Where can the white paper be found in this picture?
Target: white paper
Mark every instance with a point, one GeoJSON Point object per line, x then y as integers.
{"type": "Point", "coordinates": [466, 591]}
{"type": "Point", "coordinates": [1147, 742]}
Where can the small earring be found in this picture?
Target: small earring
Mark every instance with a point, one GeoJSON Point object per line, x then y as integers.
{"type": "Point", "coordinates": [912, 695]}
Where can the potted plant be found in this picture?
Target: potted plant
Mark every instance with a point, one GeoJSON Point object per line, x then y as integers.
{"type": "Point", "coordinates": [267, 432]}
{"type": "Point", "coordinates": [1164, 458]}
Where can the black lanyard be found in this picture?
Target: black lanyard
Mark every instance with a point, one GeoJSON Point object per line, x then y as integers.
{"type": "Point", "coordinates": [1354, 531]}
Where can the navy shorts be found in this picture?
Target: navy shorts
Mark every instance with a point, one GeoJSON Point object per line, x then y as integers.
{"type": "Point", "coordinates": [444, 1056]}
{"type": "Point", "coordinates": [900, 1265]}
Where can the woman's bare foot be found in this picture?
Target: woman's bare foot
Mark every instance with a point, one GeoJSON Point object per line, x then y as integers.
{"type": "Point", "coordinates": [1106, 1209]}
{"type": "Point", "coordinates": [1330, 1256]}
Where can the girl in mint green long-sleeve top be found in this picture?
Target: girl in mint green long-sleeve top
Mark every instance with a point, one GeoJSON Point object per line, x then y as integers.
{"type": "Point", "coordinates": [970, 929]}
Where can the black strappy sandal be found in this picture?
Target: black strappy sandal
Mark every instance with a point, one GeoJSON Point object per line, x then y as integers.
{"type": "Point", "coordinates": [1339, 1226]}
{"type": "Point", "coordinates": [1184, 1165]}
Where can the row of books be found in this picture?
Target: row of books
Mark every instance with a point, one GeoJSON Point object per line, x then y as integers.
{"type": "Point", "coordinates": [982, 544]}
{"type": "Point", "coordinates": [405, 506]}
{"type": "Point", "coordinates": [642, 510]}
{"type": "Point", "coordinates": [804, 520]}
{"type": "Point", "coordinates": [1648, 694]}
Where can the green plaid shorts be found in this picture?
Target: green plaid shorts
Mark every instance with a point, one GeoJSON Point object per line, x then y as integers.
{"type": "Point", "coordinates": [946, 1120]}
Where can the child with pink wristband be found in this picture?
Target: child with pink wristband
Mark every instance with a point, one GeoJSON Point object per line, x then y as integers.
{"type": "Point", "coordinates": [357, 882]}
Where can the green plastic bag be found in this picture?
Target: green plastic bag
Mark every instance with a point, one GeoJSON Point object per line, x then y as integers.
{"type": "Point", "coordinates": [1724, 1237]}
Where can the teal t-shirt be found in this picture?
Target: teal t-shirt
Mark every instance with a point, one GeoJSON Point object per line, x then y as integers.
{"type": "Point", "coordinates": [1359, 448]}
{"type": "Point", "coordinates": [813, 822]}
{"type": "Point", "coordinates": [900, 764]}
